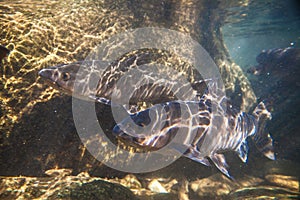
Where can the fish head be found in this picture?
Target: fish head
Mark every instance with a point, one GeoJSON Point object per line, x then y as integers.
{"type": "Point", "coordinates": [150, 129]}
{"type": "Point", "coordinates": [61, 77]}
{"type": "Point", "coordinates": [79, 79]}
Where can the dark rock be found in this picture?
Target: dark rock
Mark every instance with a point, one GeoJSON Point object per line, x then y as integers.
{"type": "Point", "coordinates": [277, 81]}
{"type": "Point", "coordinates": [101, 190]}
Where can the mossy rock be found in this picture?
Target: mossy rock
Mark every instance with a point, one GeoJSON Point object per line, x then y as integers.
{"type": "Point", "coordinates": [101, 190]}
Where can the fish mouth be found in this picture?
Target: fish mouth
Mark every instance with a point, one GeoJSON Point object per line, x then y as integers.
{"type": "Point", "coordinates": [46, 75]}
{"type": "Point", "coordinates": [126, 138]}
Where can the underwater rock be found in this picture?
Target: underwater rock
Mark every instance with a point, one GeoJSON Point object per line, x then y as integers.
{"type": "Point", "coordinates": [101, 190]}
{"type": "Point", "coordinates": [220, 186]}
{"type": "Point", "coordinates": [277, 79]}
{"type": "Point", "coordinates": [277, 62]}
{"type": "Point", "coordinates": [58, 172]}
{"type": "Point", "coordinates": [216, 185]}
{"type": "Point", "coordinates": [131, 181]}
{"type": "Point", "coordinates": [288, 182]}
{"type": "Point", "coordinates": [283, 167]}
{"type": "Point", "coordinates": [155, 186]}
{"type": "Point", "coordinates": [62, 186]}
{"type": "Point", "coordinates": [277, 69]}
{"type": "Point", "coordinates": [262, 192]}
{"type": "Point", "coordinates": [161, 196]}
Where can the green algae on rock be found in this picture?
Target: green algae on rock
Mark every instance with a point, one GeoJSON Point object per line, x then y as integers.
{"type": "Point", "coordinates": [102, 190]}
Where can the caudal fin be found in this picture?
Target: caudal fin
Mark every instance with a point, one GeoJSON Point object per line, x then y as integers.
{"type": "Point", "coordinates": [262, 138]}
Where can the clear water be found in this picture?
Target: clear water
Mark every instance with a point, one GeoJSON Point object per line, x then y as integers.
{"type": "Point", "coordinates": [37, 131]}
{"type": "Point", "coordinates": [261, 25]}
{"type": "Point", "coordinates": [264, 25]}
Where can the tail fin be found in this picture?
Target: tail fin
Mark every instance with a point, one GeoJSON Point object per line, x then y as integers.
{"type": "Point", "coordinates": [261, 138]}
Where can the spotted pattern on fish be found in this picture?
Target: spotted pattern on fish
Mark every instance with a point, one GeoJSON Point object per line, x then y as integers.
{"type": "Point", "coordinates": [206, 123]}
{"type": "Point", "coordinates": [96, 80]}
{"type": "Point", "coordinates": [208, 128]}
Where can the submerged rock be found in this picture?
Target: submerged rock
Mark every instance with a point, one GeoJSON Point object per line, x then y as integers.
{"type": "Point", "coordinates": [262, 192]}
{"type": "Point", "coordinates": [277, 79]}
{"type": "Point", "coordinates": [277, 62]}
{"type": "Point", "coordinates": [155, 186]}
{"type": "Point", "coordinates": [219, 185]}
{"type": "Point", "coordinates": [131, 182]}
{"type": "Point", "coordinates": [288, 182]}
{"type": "Point", "coordinates": [101, 190]}
{"type": "Point", "coordinates": [62, 186]}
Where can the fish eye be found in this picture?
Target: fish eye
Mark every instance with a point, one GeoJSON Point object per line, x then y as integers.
{"type": "Point", "coordinates": [65, 76]}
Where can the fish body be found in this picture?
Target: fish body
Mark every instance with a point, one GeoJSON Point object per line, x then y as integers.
{"type": "Point", "coordinates": [97, 80]}
{"type": "Point", "coordinates": [207, 129]}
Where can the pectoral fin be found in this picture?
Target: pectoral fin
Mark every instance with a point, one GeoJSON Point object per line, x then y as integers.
{"type": "Point", "coordinates": [191, 152]}
{"type": "Point", "coordinates": [243, 151]}
{"type": "Point", "coordinates": [194, 154]}
{"type": "Point", "coordinates": [220, 162]}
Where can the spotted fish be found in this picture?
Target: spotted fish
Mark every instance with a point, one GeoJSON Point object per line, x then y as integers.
{"type": "Point", "coordinates": [208, 127]}
{"type": "Point", "coordinates": [96, 80]}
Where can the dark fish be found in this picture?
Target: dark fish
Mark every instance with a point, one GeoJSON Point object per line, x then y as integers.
{"type": "Point", "coordinates": [3, 52]}
{"type": "Point", "coordinates": [204, 133]}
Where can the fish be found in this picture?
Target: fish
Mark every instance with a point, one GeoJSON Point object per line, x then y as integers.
{"type": "Point", "coordinates": [207, 127]}
{"type": "Point", "coordinates": [206, 123]}
{"type": "Point", "coordinates": [4, 52]}
{"type": "Point", "coordinates": [95, 80]}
